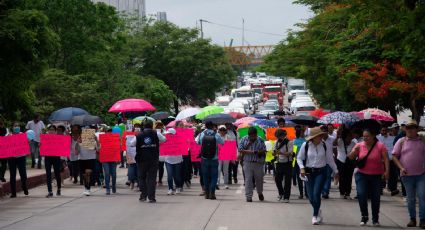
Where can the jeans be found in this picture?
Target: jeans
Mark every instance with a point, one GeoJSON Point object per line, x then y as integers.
{"type": "Point", "coordinates": [415, 186]}
{"type": "Point", "coordinates": [147, 178]}
{"type": "Point", "coordinates": [132, 173]}
{"type": "Point", "coordinates": [160, 171]}
{"type": "Point", "coordinates": [314, 184]}
{"type": "Point", "coordinates": [110, 169]}
{"type": "Point", "coordinates": [369, 186]}
{"type": "Point", "coordinates": [345, 177]}
{"type": "Point", "coordinates": [283, 171]}
{"type": "Point", "coordinates": [97, 176]}
{"type": "Point", "coordinates": [20, 164]}
{"type": "Point", "coordinates": [223, 169]}
{"type": "Point", "coordinates": [328, 181]}
{"type": "Point", "coordinates": [254, 173]}
{"type": "Point", "coordinates": [174, 174]}
{"type": "Point", "coordinates": [209, 170]}
{"type": "Point", "coordinates": [50, 161]}
{"type": "Point", "coordinates": [35, 153]}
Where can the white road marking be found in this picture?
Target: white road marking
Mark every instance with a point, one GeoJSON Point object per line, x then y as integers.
{"type": "Point", "coordinates": [222, 228]}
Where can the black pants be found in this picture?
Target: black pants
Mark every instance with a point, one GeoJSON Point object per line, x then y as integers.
{"type": "Point", "coordinates": [3, 167]}
{"type": "Point", "coordinates": [56, 163]}
{"type": "Point", "coordinates": [345, 177]}
{"type": "Point", "coordinates": [392, 181]}
{"type": "Point", "coordinates": [233, 171]}
{"type": "Point", "coordinates": [283, 171]}
{"type": "Point", "coordinates": [302, 189]}
{"type": "Point", "coordinates": [147, 178]}
{"type": "Point", "coordinates": [196, 168]}
{"type": "Point", "coordinates": [186, 169]}
{"type": "Point", "coordinates": [122, 160]}
{"type": "Point", "coordinates": [75, 170]}
{"type": "Point", "coordinates": [160, 171]}
{"type": "Point", "coordinates": [20, 164]}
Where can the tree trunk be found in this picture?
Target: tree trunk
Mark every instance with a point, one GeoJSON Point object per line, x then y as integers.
{"type": "Point", "coordinates": [414, 109]}
{"type": "Point", "coordinates": [176, 106]}
{"type": "Point", "coordinates": [393, 112]}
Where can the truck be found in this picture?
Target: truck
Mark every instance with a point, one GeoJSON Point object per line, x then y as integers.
{"type": "Point", "coordinates": [273, 91]}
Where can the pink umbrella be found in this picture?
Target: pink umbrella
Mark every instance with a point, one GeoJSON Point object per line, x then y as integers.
{"type": "Point", "coordinates": [245, 120]}
{"type": "Point", "coordinates": [377, 114]}
{"type": "Point", "coordinates": [173, 124]}
{"type": "Point", "coordinates": [131, 105]}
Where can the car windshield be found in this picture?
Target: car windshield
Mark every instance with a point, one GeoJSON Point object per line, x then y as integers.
{"type": "Point", "coordinates": [274, 89]}
{"type": "Point", "coordinates": [244, 94]}
{"type": "Point", "coordinates": [257, 90]}
{"type": "Point", "coordinates": [270, 107]}
{"type": "Point", "coordinates": [306, 108]}
{"type": "Point", "coordinates": [297, 87]}
{"type": "Point", "coordinates": [273, 96]}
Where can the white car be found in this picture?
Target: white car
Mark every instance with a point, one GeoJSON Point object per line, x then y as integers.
{"type": "Point", "coordinates": [303, 106]}
{"type": "Point", "coordinates": [269, 108]}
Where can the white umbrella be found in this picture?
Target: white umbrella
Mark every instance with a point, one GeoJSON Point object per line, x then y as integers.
{"type": "Point", "coordinates": [189, 112]}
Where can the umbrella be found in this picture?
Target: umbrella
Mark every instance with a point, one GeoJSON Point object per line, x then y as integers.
{"type": "Point", "coordinates": [377, 114]}
{"type": "Point", "coordinates": [66, 114]}
{"type": "Point", "coordinates": [209, 110]}
{"type": "Point", "coordinates": [263, 123]}
{"type": "Point", "coordinates": [258, 116]}
{"type": "Point", "coordinates": [319, 113]}
{"type": "Point", "coordinates": [86, 120]}
{"type": "Point", "coordinates": [245, 120]}
{"type": "Point", "coordinates": [173, 124]}
{"type": "Point", "coordinates": [131, 105]}
{"type": "Point", "coordinates": [160, 115]}
{"type": "Point", "coordinates": [237, 115]}
{"type": "Point", "coordinates": [219, 119]}
{"type": "Point", "coordinates": [338, 118]}
{"type": "Point", "coordinates": [305, 120]}
{"type": "Point", "coordinates": [139, 120]}
{"type": "Point", "coordinates": [189, 112]}
{"type": "Point", "coordinates": [367, 124]}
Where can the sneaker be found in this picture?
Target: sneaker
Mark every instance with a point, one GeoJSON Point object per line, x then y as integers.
{"type": "Point", "coordinates": [395, 192]}
{"type": "Point", "coordinates": [261, 197]}
{"type": "Point", "coordinates": [412, 223]}
{"type": "Point", "coordinates": [342, 196]}
{"type": "Point", "coordinates": [152, 201]}
{"type": "Point", "coordinates": [108, 193]}
{"type": "Point", "coordinates": [326, 196]}
{"type": "Point", "coordinates": [86, 192]}
{"type": "Point", "coordinates": [132, 186]}
{"type": "Point", "coordinates": [58, 193]}
{"type": "Point", "coordinates": [217, 188]}
{"type": "Point", "coordinates": [226, 187]}
{"type": "Point", "coordinates": [26, 192]}
{"type": "Point", "coordinates": [348, 197]}
{"type": "Point", "coordinates": [179, 190]}
{"type": "Point", "coordinates": [49, 195]}
{"type": "Point", "coordinates": [212, 196]}
{"type": "Point", "coordinates": [279, 198]}
{"type": "Point", "coordinates": [170, 192]}
{"type": "Point", "coordinates": [207, 195]}
{"type": "Point", "coordinates": [127, 183]}
{"type": "Point", "coordinates": [142, 198]}
{"type": "Point", "coordinates": [422, 224]}
{"type": "Point", "coordinates": [187, 184]}
{"type": "Point", "coordinates": [285, 200]}
{"type": "Point", "coordinates": [319, 217]}
{"type": "Point", "coordinates": [364, 221]}
{"type": "Point", "coordinates": [314, 221]}
{"type": "Point", "coordinates": [13, 196]}
{"type": "Point", "coordinates": [376, 224]}
{"type": "Point", "coordinates": [248, 199]}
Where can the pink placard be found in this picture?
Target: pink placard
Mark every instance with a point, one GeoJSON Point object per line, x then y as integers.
{"type": "Point", "coordinates": [228, 151]}
{"type": "Point", "coordinates": [14, 145]}
{"type": "Point", "coordinates": [186, 133]}
{"type": "Point", "coordinates": [55, 145]}
{"type": "Point", "coordinates": [176, 145]}
{"type": "Point", "coordinates": [195, 150]}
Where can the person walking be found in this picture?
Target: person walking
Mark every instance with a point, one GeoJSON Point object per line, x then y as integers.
{"type": "Point", "coordinates": [233, 165]}
{"type": "Point", "coordinates": [253, 151]}
{"type": "Point", "coordinates": [209, 141]}
{"type": "Point", "coordinates": [147, 157]}
{"type": "Point", "coordinates": [87, 160]}
{"type": "Point", "coordinates": [55, 162]}
{"type": "Point", "coordinates": [298, 142]}
{"type": "Point", "coordinates": [388, 141]}
{"type": "Point", "coordinates": [345, 144]}
{"type": "Point", "coordinates": [312, 159]}
{"type": "Point", "coordinates": [17, 163]}
{"type": "Point", "coordinates": [329, 139]}
{"type": "Point", "coordinates": [409, 156]}
{"type": "Point", "coordinates": [283, 152]}
{"type": "Point", "coordinates": [372, 163]}
{"type": "Point", "coordinates": [131, 157]}
{"type": "Point", "coordinates": [3, 161]}
{"type": "Point", "coordinates": [223, 165]}
{"type": "Point", "coordinates": [73, 157]}
{"type": "Point", "coordinates": [37, 126]}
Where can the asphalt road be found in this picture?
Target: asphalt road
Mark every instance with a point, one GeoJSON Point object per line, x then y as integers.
{"type": "Point", "coordinates": [184, 211]}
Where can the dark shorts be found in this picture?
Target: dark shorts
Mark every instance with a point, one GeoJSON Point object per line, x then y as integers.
{"type": "Point", "coordinates": [86, 164]}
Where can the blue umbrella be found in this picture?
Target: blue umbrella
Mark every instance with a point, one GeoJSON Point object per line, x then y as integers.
{"type": "Point", "coordinates": [258, 116]}
{"type": "Point", "coordinates": [339, 118]}
{"type": "Point", "coordinates": [263, 123]}
{"type": "Point", "coordinates": [66, 114]}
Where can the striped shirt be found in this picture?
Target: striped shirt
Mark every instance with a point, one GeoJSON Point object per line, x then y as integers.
{"type": "Point", "coordinates": [258, 145]}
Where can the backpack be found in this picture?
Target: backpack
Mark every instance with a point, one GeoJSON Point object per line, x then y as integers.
{"type": "Point", "coordinates": [208, 146]}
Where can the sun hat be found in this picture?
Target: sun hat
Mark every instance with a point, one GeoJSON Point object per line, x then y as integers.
{"type": "Point", "coordinates": [315, 132]}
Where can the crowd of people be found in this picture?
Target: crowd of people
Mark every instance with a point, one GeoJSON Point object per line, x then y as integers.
{"type": "Point", "coordinates": [311, 161]}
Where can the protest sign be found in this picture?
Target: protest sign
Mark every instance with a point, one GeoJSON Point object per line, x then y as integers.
{"type": "Point", "coordinates": [289, 130]}
{"type": "Point", "coordinates": [228, 151]}
{"type": "Point", "coordinates": [53, 145]}
{"type": "Point", "coordinates": [195, 150]}
{"type": "Point", "coordinates": [14, 145]}
{"type": "Point", "coordinates": [176, 145]}
{"type": "Point", "coordinates": [110, 147]}
{"type": "Point", "coordinates": [88, 139]}
{"type": "Point", "coordinates": [244, 132]}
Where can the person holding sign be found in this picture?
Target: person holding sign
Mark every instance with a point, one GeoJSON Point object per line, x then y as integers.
{"type": "Point", "coordinates": [253, 150]}
{"type": "Point", "coordinates": [147, 157]}
{"type": "Point", "coordinates": [17, 162]}
{"type": "Point", "coordinates": [283, 165]}
{"type": "Point", "coordinates": [87, 160]}
{"type": "Point", "coordinates": [54, 161]}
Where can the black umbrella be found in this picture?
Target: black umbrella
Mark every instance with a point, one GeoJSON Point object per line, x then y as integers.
{"type": "Point", "coordinates": [305, 120]}
{"type": "Point", "coordinates": [219, 119]}
{"type": "Point", "coordinates": [86, 120]}
{"type": "Point", "coordinates": [160, 115]}
{"type": "Point", "coordinates": [66, 114]}
{"type": "Point", "coordinates": [371, 124]}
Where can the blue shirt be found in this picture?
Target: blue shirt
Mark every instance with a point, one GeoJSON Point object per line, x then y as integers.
{"type": "Point", "coordinates": [218, 140]}
{"type": "Point", "coordinates": [299, 142]}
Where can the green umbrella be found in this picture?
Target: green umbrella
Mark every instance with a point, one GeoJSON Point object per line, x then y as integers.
{"type": "Point", "coordinates": [139, 120]}
{"type": "Point", "coordinates": [244, 132]}
{"type": "Point", "coordinates": [209, 110]}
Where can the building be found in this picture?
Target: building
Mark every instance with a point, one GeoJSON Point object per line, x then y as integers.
{"type": "Point", "coordinates": [127, 6]}
{"type": "Point", "coordinates": [161, 16]}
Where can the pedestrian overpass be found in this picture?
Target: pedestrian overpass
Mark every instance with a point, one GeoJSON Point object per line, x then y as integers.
{"type": "Point", "coordinates": [248, 56]}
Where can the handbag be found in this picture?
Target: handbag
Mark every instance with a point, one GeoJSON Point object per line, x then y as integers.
{"type": "Point", "coordinates": [361, 163]}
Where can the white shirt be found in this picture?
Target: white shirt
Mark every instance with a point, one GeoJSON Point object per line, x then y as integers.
{"type": "Point", "coordinates": [36, 127]}
{"type": "Point", "coordinates": [388, 142]}
{"type": "Point", "coordinates": [342, 154]}
{"type": "Point", "coordinates": [131, 150]}
{"type": "Point", "coordinates": [283, 158]}
{"type": "Point", "coordinates": [317, 157]}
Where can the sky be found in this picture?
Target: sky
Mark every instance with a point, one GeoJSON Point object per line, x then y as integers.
{"type": "Point", "coordinates": [271, 16]}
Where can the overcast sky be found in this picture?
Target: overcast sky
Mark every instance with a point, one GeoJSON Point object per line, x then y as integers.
{"type": "Point", "coordinates": [271, 16]}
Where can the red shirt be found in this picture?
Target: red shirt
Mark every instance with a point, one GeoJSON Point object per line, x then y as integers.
{"type": "Point", "coordinates": [375, 161]}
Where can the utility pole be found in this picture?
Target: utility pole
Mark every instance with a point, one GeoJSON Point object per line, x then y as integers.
{"type": "Point", "coordinates": [202, 30]}
{"type": "Point", "coordinates": [243, 32]}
